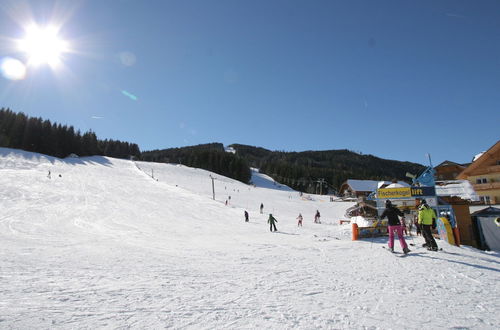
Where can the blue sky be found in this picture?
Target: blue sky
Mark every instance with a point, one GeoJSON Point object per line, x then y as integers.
{"type": "Point", "coordinates": [396, 79]}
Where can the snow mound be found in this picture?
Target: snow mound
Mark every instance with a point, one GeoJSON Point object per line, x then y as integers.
{"type": "Point", "coordinates": [265, 181]}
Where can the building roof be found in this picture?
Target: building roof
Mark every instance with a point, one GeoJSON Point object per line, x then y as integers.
{"type": "Point", "coordinates": [448, 163]}
{"type": "Point", "coordinates": [494, 211]}
{"type": "Point", "coordinates": [398, 184]}
{"type": "Point", "coordinates": [480, 161]}
{"type": "Point", "coordinates": [372, 185]}
{"type": "Point", "coordinates": [363, 185]}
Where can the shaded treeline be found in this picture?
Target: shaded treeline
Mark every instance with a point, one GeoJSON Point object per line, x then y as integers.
{"type": "Point", "coordinates": [319, 171]}
{"type": "Point", "coordinates": [37, 135]}
{"type": "Point", "coordinates": [211, 157]}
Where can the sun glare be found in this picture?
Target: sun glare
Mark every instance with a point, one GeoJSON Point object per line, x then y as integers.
{"type": "Point", "coordinates": [43, 46]}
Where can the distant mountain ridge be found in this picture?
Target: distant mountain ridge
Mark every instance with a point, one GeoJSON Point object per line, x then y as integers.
{"type": "Point", "coordinates": [308, 171]}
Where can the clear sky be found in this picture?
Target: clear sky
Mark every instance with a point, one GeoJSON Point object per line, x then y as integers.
{"type": "Point", "coordinates": [396, 79]}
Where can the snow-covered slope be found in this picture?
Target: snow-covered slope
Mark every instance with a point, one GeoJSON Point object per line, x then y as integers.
{"type": "Point", "coordinates": [102, 244]}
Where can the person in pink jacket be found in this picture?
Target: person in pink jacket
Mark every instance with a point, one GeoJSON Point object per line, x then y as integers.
{"type": "Point", "coordinates": [394, 225]}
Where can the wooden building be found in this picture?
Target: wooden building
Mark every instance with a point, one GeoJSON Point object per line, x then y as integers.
{"type": "Point", "coordinates": [449, 170]}
{"type": "Point", "coordinates": [358, 188]}
{"type": "Point", "coordinates": [484, 175]}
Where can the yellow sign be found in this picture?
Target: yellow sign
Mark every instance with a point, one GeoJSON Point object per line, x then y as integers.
{"type": "Point", "coordinates": [394, 192]}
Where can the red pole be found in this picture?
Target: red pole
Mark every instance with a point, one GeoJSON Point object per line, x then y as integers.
{"type": "Point", "coordinates": [355, 232]}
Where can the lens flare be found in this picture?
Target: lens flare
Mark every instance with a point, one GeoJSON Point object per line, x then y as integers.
{"type": "Point", "coordinates": [12, 69]}
{"type": "Point", "coordinates": [129, 95]}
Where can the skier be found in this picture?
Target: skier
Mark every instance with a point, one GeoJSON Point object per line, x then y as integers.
{"type": "Point", "coordinates": [246, 216]}
{"type": "Point", "coordinates": [299, 218]}
{"type": "Point", "coordinates": [261, 208]}
{"type": "Point", "coordinates": [48, 175]}
{"type": "Point", "coordinates": [426, 218]}
{"type": "Point", "coordinates": [316, 217]}
{"type": "Point", "coordinates": [271, 221]}
{"type": "Point", "coordinates": [395, 225]}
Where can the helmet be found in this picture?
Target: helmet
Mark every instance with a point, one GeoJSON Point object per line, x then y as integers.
{"type": "Point", "coordinates": [388, 203]}
{"type": "Point", "coordinates": [423, 201]}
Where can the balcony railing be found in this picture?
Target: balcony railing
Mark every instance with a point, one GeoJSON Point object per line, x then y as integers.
{"type": "Point", "coordinates": [486, 186]}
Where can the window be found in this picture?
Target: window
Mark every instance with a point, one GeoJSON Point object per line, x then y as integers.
{"type": "Point", "coordinates": [485, 199]}
{"type": "Point", "coordinates": [481, 180]}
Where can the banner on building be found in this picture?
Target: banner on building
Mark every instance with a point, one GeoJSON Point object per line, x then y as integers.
{"type": "Point", "coordinates": [405, 192]}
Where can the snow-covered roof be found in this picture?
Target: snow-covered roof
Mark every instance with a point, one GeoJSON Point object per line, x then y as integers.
{"type": "Point", "coordinates": [476, 157]}
{"type": "Point", "coordinates": [363, 185]}
{"type": "Point", "coordinates": [458, 188]}
{"type": "Point", "coordinates": [399, 184]}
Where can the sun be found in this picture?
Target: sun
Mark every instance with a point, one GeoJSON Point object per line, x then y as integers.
{"type": "Point", "coordinates": [43, 46]}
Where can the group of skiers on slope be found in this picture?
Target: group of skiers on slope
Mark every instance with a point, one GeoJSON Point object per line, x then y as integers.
{"type": "Point", "coordinates": [426, 221]}
{"type": "Point", "coordinates": [272, 220]}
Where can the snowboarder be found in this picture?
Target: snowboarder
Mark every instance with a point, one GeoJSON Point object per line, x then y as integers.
{"type": "Point", "coordinates": [299, 218]}
{"type": "Point", "coordinates": [261, 208]}
{"type": "Point", "coordinates": [271, 221]}
{"type": "Point", "coordinates": [426, 218]}
{"type": "Point", "coordinates": [246, 216]}
{"type": "Point", "coordinates": [395, 225]}
{"type": "Point", "coordinates": [316, 217]}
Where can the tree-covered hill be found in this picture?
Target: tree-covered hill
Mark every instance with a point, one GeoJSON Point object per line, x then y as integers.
{"type": "Point", "coordinates": [19, 131]}
{"type": "Point", "coordinates": [211, 157]}
{"type": "Point", "coordinates": [306, 170]}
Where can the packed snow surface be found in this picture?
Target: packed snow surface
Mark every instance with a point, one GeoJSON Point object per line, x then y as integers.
{"type": "Point", "coordinates": [107, 243]}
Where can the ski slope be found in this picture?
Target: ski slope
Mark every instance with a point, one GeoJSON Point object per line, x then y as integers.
{"type": "Point", "coordinates": [108, 243]}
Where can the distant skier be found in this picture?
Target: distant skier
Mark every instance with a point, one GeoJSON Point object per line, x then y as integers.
{"type": "Point", "coordinates": [261, 208]}
{"type": "Point", "coordinates": [317, 217]}
{"type": "Point", "coordinates": [272, 222]}
{"type": "Point", "coordinates": [395, 225]}
{"type": "Point", "coordinates": [426, 218]}
{"type": "Point", "coordinates": [48, 175]}
{"type": "Point", "coordinates": [299, 218]}
{"type": "Point", "coordinates": [246, 216]}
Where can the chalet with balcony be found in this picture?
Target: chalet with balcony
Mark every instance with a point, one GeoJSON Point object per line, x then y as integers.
{"type": "Point", "coordinates": [449, 170]}
{"type": "Point", "coordinates": [484, 175]}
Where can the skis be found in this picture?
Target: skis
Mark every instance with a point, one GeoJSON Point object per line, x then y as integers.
{"type": "Point", "coordinates": [423, 247]}
{"type": "Point", "coordinates": [397, 254]}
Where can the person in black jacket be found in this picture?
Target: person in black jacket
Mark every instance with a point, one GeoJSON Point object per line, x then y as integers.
{"type": "Point", "coordinates": [272, 222]}
{"type": "Point", "coordinates": [394, 225]}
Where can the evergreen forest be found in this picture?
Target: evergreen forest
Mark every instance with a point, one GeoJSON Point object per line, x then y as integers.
{"type": "Point", "coordinates": [211, 157]}
{"type": "Point", "coordinates": [323, 171]}
{"type": "Point", "coordinates": [19, 131]}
